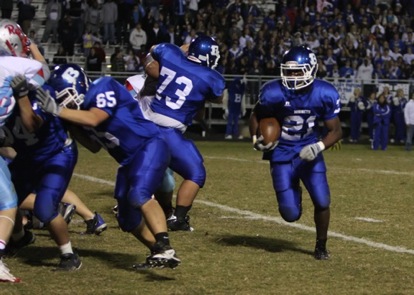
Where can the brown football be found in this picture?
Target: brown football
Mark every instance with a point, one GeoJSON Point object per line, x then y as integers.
{"type": "Point", "coordinates": [270, 129]}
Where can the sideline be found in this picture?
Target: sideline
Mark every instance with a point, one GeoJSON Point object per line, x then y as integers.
{"type": "Point", "coordinates": [277, 220]}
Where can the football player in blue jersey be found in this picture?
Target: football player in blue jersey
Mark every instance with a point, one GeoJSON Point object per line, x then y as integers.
{"type": "Point", "coordinates": [185, 82]}
{"type": "Point", "coordinates": [113, 118]}
{"type": "Point", "coordinates": [299, 102]}
{"type": "Point", "coordinates": [44, 163]}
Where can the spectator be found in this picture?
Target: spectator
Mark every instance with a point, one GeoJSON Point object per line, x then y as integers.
{"type": "Point", "coordinates": [409, 122]}
{"type": "Point", "coordinates": [358, 105]}
{"type": "Point", "coordinates": [409, 55]}
{"type": "Point", "coordinates": [89, 40]}
{"type": "Point", "coordinates": [68, 35]}
{"type": "Point", "coordinates": [53, 14]}
{"type": "Point", "coordinates": [138, 37]}
{"type": "Point", "coordinates": [60, 57]}
{"type": "Point", "coordinates": [109, 18]}
{"type": "Point", "coordinates": [155, 35]}
{"type": "Point", "coordinates": [94, 61]}
{"type": "Point", "coordinates": [365, 71]}
{"type": "Point", "coordinates": [132, 62]}
{"type": "Point", "coordinates": [76, 12]}
{"type": "Point", "coordinates": [117, 60]}
{"type": "Point", "coordinates": [174, 36]}
{"type": "Point", "coordinates": [381, 122]}
{"type": "Point", "coordinates": [26, 15]}
{"type": "Point", "coordinates": [93, 17]}
{"type": "Point", "coordinates": [234, 107]}
{"type": "Point", "coordinates": [397, 110]}
{"type": "Point", "coordinates": [6, 8]}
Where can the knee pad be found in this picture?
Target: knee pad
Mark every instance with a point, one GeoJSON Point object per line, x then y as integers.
{"type": "Point", "coordinates": [290, 214]}
{"type": "Point", "coordinates": [45, 216]}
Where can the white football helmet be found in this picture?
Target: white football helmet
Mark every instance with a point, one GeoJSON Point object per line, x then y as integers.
{"type": "Point", "coordinates": [13, 40]}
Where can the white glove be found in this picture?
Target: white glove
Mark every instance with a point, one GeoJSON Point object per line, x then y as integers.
{"type": "Point", "coordinates": [309, 152]}
{"type": "Point", "coordinates": [47, 103]}
{"type": "Point", "coordinates": [226, 114]}
{"type": "Point", "coordinates": [258, 145]}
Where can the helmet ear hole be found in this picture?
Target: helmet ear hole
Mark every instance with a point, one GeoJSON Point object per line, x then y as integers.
{"type": "Point", "coordinates": [298, 68]}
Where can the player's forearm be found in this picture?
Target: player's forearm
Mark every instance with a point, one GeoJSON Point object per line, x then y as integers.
{"type": "Point", "coordinates": [30, 120]}
{"type": "Point", "coordinates": [80, 117]}
{"type": "Point", "coordinates": [334, 133]}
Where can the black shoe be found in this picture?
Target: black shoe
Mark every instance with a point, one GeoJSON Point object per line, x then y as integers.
{"type": "Point", "coordinates": [174, 224]}
{"type": "Point", "coordinates": [321, 254]}
{"type": "Point", "coordinates": [165, 258]}
{"type": "Point", "coordinates": [67, 211]}
{"type": "Point", "coordinates": [14, 246]}
{"type": "Point", "coordinates": [69, 262]}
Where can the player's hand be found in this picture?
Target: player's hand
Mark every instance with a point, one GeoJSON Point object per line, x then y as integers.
{"type": "Point", "coordinates": [47, 103]}
{"type": "Point", "coordinates": [19, 86]}
{"type": "Point", "coordinates": [258, 145]}
{"type": "Point", "coordinates": [309, 152]}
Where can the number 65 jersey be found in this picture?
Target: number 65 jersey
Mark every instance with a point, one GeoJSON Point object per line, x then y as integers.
{"type": "Point", "coordinates": [299, 112]}
{"type": "Point", "coordinates": [126, 129]}
{"type": "Point", "coordinates": [182, 89]}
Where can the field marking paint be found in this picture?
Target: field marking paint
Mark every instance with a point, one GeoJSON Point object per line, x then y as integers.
{"type": "Point", "coordinates": [277, 220]}
{"type": "Point", "coordinates": [367, 219]}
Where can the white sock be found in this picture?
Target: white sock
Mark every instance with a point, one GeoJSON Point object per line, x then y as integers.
{"type": "Point", "coordinates": [2, 244]}
{"type": "Point", "coordinates": [66, 248]}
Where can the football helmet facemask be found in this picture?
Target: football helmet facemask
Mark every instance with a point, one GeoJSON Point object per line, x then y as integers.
{"type": "Point", "coordinates": [13, 40]}
{"type": "Point", "coordinates": [204, 50]}
{"type": "Point", "coordinates": [298, 68]}
{"type": "Point", "coordinates": [71, 84]}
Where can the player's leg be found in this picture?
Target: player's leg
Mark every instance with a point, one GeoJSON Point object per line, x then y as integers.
{"type": "Point", "coordinates": [54, 182]}
{"type": "Point", "coordinates": [187, 161]}
{"type": "Point", "coordinates": [8, 209]}
{"type": "Point", "coordinates": [137, 182]}
{"type": "Point", "coordinates": [313, 176]}
{"type": "Point", "coordinates": [94, 221]}
{"type": "Point", "coordinates": [288, 191]}
{"type": "Point", "coordinates": [165, 191]}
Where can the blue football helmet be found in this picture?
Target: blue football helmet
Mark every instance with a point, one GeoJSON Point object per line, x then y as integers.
{"type": "Point", "coordinates": [204, 50]}
{"type": "Point", "coordinates": [70, 83]}
{"type": "Point", "coordinates": [298, 68]}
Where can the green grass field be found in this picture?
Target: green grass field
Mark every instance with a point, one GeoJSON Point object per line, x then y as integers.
{"type": "Point", "coordinates": [240, 244]}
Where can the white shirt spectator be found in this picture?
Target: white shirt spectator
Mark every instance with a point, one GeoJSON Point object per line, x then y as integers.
{"type": "Point", "coordinates": [409, 112]}
{"type": "Point", "coordinates": [137, 37]}
{"type": "Point", "coordinates": [364, 72]}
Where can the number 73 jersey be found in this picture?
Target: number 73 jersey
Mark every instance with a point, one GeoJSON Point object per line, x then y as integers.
{"type": "Point", "coordinates": [183, 85]}
{"type": "Point", "coordinates": [298, 112]}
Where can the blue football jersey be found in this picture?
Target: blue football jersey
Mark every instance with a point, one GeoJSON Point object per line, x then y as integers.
{"type": "Point", "coordinates": [299, 113]}
{"type": "Point", "coordinates": [183, 86]}
{"type": "Point", "coordinates": [46, 141]}
{"type": "Point", "coordinates": [126, 129]}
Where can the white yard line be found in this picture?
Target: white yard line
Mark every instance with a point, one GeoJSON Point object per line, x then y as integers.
{"type": "Point", "coordinates": [277, 220]}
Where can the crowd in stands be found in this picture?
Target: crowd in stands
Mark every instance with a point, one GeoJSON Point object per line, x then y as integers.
{"type": "Point", "coordinates": [364, 39]}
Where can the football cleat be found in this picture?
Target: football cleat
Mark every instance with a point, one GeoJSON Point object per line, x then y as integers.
{"type": "Point", "coordinates": [14, 246]}
{"type": "Point", "coordinates": [5, 275]}
{"type": "Point", "coordinates": [96, 225]}
{"type": "Point", "coordinates": [69, 262]}
{"type": "Point", "coordinates": [67, 211]}
{"type": "Point", "coordinates": [163, 258]}
{"type": "Point", "coordinates": [174, 224]}
{"type": "Point", "coordinates": [321, 254]}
